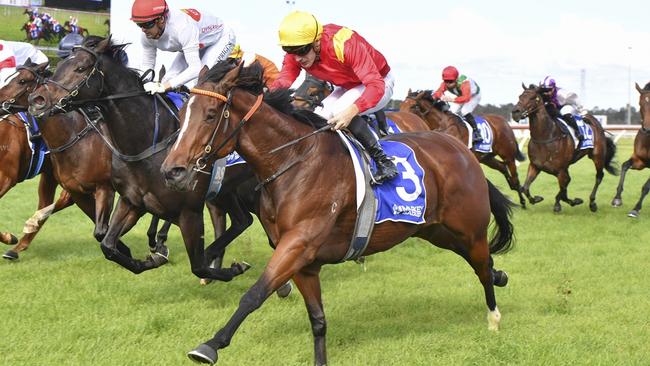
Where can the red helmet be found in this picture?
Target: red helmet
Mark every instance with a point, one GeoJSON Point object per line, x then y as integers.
{"type": "Point", "coordinates": [449, 73]}
{"type": "Point", "coordinates": [147, 10]}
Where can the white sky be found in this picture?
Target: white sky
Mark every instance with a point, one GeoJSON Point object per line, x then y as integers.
{"type": "Point", "coordinates": [499, 43]}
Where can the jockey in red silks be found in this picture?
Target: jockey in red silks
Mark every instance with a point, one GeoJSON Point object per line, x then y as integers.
{"type": "Point", "coordinates": [364, 83]}
{"type": "Point", "coordinates": [199, 38]}
{"type": "Point", "coordinates": [463, 95]}
{"type": "Point", "coordinates": [14, 54]}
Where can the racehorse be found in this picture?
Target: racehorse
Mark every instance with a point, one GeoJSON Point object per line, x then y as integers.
{"type": "Point", "coordinates": [80, 30]}
{"type": "Point", "coordinates": [504, 142]}
{"type": "Point", "coordinates": [15, 158]}
{"type": "Point", "coordinates": [641, 156]}
{"type": "Point", "coordinates": [308, 203]}
{"type": "Point", "coordinates": [552, 150]}
{"type": "Point", "coordinates": [79, 160]}
{"type": "Point", "coordinates": [138, 150]}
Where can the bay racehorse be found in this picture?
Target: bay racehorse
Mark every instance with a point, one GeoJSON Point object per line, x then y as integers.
{"type": "Point", "coordinates": [94, 75]}
{"type": "Point", "coordinates": [640, 158]}
{"type": "Point", "coordinates": [552, 150]}
{"type": "Point", "coordinates": [504, 143]}
{"type": "Point", "coordinates": [308, 202]}
{"type": "Point", "coordinates": [79, 160]}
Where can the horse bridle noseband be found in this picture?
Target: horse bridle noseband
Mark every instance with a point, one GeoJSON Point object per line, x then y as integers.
{"type": "Point", "coordinates": [208, 151]}
{"type": "Point", "coordinates": [539, 102]}
{"type": "Point", "coordinates": [8, 105]}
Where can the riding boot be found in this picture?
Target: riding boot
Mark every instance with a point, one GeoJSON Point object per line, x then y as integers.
{"type": "Point", "coordinates": [568, 118]}
{"type": "Point", "coordinates": [476, 134]}
{"type": "Point", "coordinates": [381, 123]}
{"type": "Point", "coordinates": [385, 167]}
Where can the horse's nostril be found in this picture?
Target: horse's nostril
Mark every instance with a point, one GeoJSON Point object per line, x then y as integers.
{"type": "Point", "coordinates": [38, 101]}
{"type": "Point", "coordinates": [175, 173]}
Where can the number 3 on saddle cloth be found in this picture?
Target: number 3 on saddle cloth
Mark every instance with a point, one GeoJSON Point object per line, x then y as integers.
{"type": "Point", "coordinates": [36, 144]}
{"type": "Point", "coordinates": [587, 132]}
{"type": "Point", "coordinates": [487, 135]}
{"type": "Point", "coordinates": [401, 199]}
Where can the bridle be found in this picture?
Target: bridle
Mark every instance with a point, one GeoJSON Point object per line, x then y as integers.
{"type": "Point", "coordinates": [208, 151]}
{"type": "Point", "coordinates": [8, 106]}
{"type": "Point", "coordinates": [538, 103]}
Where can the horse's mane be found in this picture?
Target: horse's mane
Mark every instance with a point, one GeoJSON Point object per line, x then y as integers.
{"type": "Point", "coordinates": [251, 79]}
{"type": "Point", "coordinates": [113, 52]}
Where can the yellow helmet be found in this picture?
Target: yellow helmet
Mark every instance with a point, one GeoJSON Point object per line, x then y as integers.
{"type": "Point", "coordinates": [236, 52]}
{"type": "Point", "coordinates": [299, 28]}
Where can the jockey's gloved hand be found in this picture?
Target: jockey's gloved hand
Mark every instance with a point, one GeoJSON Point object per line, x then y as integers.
{"type": "Point", "coordinates": [154, 87]}
{"type": "Point", "coordinates": [447, 98]}
{"type": "Point", "coordinates": [343, 118]}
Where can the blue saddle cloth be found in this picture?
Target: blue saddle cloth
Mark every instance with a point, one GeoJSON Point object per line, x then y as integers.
{"type": "Point", "coordinates": [37, 145]}
{"type": "Point", "coordinates": [403, 198]}
{"type": "Point", "coordinates": [177, 98]}
{"type": "Point", "coordinates": [392, 127]}
{"type": "Point", "coordinates": [587, 132]}
{"type": "Point", "coordinates": [487, 135]}
{"type": "Point", "coordinates": [233, 159]}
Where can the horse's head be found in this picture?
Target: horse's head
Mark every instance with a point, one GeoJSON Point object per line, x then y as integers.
{"type": "Point", "coordinates": [530, 100]}
{"type": "Point", "coordinates": [644, 104]}
{"type": "Point", "coordinates": [210, 122]}
{"type": "Point", "coordinates": [78, 77]}
{"type": "Point", "coordinates": [13, 95]}
{"type": "Point", "coordinates": [311, 93]}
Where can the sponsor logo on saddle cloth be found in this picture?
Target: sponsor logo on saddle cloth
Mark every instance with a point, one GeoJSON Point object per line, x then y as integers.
{"type": "Point", "coordinates": [401, 199]}
{"type": "Point", "coordinates": [233, 159]}
{"type": "Point", "coordinates": [487, 135]}
{"type": "Point", "coordinates": [587, 132]}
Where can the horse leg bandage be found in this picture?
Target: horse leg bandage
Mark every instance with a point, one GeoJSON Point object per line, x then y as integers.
{"type": "Point", "coordinates": [34, 223]}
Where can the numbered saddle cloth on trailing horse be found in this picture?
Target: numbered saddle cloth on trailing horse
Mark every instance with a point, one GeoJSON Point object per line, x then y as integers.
{"type": "Point", "coordinates": [485, 130]}
{"type": "Point", "coordinates": [586, 129]}
{"type": "Point", "coordinates": [401, 199]}
{"type": "Point", "coordinates": [36, 144]}
{"type": "Point", "coordinates": [178, 99]}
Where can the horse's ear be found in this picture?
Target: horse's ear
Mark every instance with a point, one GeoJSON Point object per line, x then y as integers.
{"type": "Point", "coordinates": [523, 85]}
{"type": "Point", "coordinates": [638, 87]}
{"type": "Point", "coordinates": [203, 73]}
{"type": "Point", "coordinates": [42, 67]}
{"type": "Point", "coordinates": [161, 73]}
{"type": "Point", "coordinates": [29, 62]}
{"type": "Point", "coordinates": [232, 75]}
{"type": "Point", "coordinates": [103, 45]}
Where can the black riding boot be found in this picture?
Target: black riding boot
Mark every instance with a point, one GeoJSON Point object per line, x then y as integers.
{"type": "Point", "coordinates": [476, 134]}
{"type": "Point", "coordinates": [385, 167]}
{"type": "Point", "coordinates": [381, 123]}
{"type": "Point", "coordinates": [568, 118]}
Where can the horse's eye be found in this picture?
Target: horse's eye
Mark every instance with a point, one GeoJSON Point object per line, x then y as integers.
{"type": "Point", "coordinates": [209, 118]}
{"type": "Point", "coordinates": [22, 81]}
{"type": "Point", "coordinates": [80, 69]}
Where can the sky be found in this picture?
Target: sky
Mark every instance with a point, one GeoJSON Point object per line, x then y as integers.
{"type": "Point", "coordinates": [500, 44]}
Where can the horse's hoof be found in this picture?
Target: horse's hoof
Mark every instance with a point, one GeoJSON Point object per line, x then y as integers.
{"type": "Point", "coordinates": [537, 199]}
{"type": "Point", "coordinates": [557, 208]}
{"type": "Point", "coordinates": [240, 267]}
{"type": "Point", "coordinates": [577, 201]}
{"type": "Point", "coordinates": [10, 255]}
{"type": "Point", "coordinates": [633, 214]}
{"type": "Point", "coordinates": [500, 278]}
{"type": "Point", "coordinates": [203, 354]}
{"type": "Point", "coordinates": [8, 238]}
{"type": "Point", "coordinates": [13, 240]}
{"type": "Point", "coordinates": [593, 207]}
{"type": "Point", "coordinates": [284, 290]}
{"type": "Point", "coordinates": [617, 202]}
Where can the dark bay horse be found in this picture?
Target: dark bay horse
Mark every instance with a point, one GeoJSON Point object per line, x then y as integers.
{"type": "Point", "coordinates": [80, 162]}
{"type": "Point", "coordinates": [15, 158]}
{"type": "Point", "coordinates": [641, 156]}
{"type": "Point", "coordinates": [552, 150]}
{"type": "Point", "coordinates": [139, 130]}
{"type": "Point", "coordinates": [308, 203]}
{"type": "Point", "coordinates": [504, 146]}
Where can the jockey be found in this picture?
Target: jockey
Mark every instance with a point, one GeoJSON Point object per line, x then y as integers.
{"type": "Point", "coordinates": [13, 54]}
{"type": "Point", "coordinates": [565, 103]}
{"type": "Point", "coordinates": [199, 38]}
{"type": "Point", "coordinates": [73, 24]}
{"type": "Point", "coordinates": [271, 72]}
{"type": "Point", "coordinates": [463, 94]}
{"type": "Point", "coordinates": [364, 83]}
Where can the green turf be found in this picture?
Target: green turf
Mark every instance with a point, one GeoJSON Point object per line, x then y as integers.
{"type": "Point", "coordinates": [577, 295]}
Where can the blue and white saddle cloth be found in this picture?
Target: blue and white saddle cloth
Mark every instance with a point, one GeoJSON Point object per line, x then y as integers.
{"type": "Point", "coordinates": [392, 127]}
{"type": "Point", "coordinates": [487, 135]}
{"type": "Point", "coordinates": [38, 147]}
{"type": "Point", "coordinates": [401, 199]}
{"type": "Point", "coordinates": [233, 159]}
{"type": "Point", "coordinates": [586, 129]}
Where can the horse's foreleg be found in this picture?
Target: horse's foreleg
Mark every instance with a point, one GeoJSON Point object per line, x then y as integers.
{"type": "Point", "coordinates": [191, 225]}
{"type": "Point", "coordinates": [533, 171]}
{"type": "Point", "coordinates": [618, 201]}
{"type": "Point", "coordinates": [290, 256]}
{"type": "Point", "coordinates": [123, 219]}
{"type": "Point", "coordinates": [637, 207]}
{"type": "Point", "coordinates": [104, 198]}
{"type": "Point", "coordinates": [563, 179]}
{"type": "Point", "coordinates": [592, 197]}
{"type": "Point", "coordinates": [308, 283]}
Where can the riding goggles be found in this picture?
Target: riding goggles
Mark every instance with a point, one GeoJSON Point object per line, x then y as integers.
{"type": "Point", "coordinates": [297, 50]}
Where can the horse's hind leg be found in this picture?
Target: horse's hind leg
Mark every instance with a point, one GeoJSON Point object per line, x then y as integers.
{"type": "Point", "coordinates": [618, 201]}
{"type": "Point", "coordinates": [533, 171]}
{"type": "Point", "coordinates": [104, 198]}
{"type": "Point", "coordinates": [644, 191]}
{"type": "Point", "coordinates": [514, 181]}
{"type": "Point", "coordinates": [564, 179]}
{"type": "Point", "coordinates": [479, 259]}
{"type": "Point", "coordinates": [592, 197]}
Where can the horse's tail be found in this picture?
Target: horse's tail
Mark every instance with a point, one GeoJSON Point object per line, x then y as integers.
{"type": "Point", "coordinates": [503, 233]}
{"type": "Point", "coordinates": [520, 156]}
{"type": "Point", "coordinates": [609, 156]}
